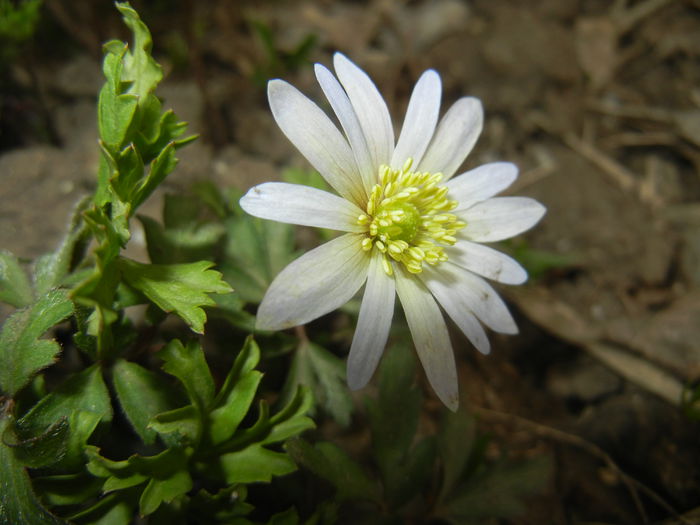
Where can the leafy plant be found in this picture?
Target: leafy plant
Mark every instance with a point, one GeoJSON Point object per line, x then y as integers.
{"type": "Point", "coordinates": [191, 443]}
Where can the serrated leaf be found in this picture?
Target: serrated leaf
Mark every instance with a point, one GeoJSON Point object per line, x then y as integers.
{"type": "Point", "coordinates": [188, 364]}
{"type": "Point", "coordinates": [164, 490]}
{"type": "Point", "coordinates": [129, 173]}
{"type": "Point", "coordinates": [161, 166]}
{"type": "Point", "coordinates": [254, 464]}
{"type": "Point", "coordinates": [182, 426]}
{"type": "Point", "coordinates": [292, 419]}
{"type": "Point", "coordinates": [178, 288]}
{"type": "Point", "coordinates": [18, 503]}
{"type": "Point", "coordinates": [166, 475]}
{"type": "Point", "coordinates": [140, 69]}
{"type": "Point", "coordinates": [331, 463]}
{"type": "Point", "coordinates": [499, 492]}
{"type": "Point", "coordinates": [237, 393]}
{"type": "Point", "coordinates": [39, 451]}
{"type": "Point", "coordinates": [83, 400]}
{"type": "Point", "coordinates": [22, 353]}
{"type": "Point", "coordinates": [85, 391]}
{"type": "Point", "coordinates": [142, 394]}
{"type": "Point", "coordinates": [115, 109]}
{"type": "Point", "coordinates": [15, 288]}
{"type": "Point", "coordinates": [192, 242]}
{"type": "Point", "coordinates": [51, 270]}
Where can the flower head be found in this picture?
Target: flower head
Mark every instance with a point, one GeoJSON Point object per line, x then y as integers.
{"type": "Point", "coordinates": [411, 228]}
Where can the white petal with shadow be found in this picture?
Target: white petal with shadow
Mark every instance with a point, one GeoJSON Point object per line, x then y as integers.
{"type": "Point", "coordinates": [369, 107]}
{"type": "Point", "coordinates": [420, 121]}
{"type": "Point", "coordinates": [314, 284]}
{"type": "Point", "coordinates": [430, 336]}
{"type": "Point", "coordinates": [373, 325]}
{"type": "Point", "coordinates": [343, 109]}
{"type": "Point", "coordinates": [500, 218]}
{"type": "Point", "coordinates": [481, 183]}
{"type": "Point", "coordinates": [486, 262]}
{"type": "Point", "coordinates": [472, 294]}
{"type": "Point", "coordinates": [316, 137]}
{"type": "Point", "coordinates": [454, 138]}
{"type": "Point", "coordinates": [303, 205]}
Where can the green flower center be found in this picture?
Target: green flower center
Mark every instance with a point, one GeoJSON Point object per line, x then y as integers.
{"type": "Point", "coordinates": [407, 218]}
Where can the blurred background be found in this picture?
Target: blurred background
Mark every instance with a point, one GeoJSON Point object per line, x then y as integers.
{"type": "Point", "coordinates": [597, 101]}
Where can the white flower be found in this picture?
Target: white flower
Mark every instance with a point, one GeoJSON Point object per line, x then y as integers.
{"type": "Point", "coordinates": [411, 228]}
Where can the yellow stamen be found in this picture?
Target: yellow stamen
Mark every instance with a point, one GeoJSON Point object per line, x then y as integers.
{"type": "Point", "coordinates": [408, 220]}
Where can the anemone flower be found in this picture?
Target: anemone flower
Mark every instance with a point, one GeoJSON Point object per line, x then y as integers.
{"type": "Point", "coordinates": [411, 228]}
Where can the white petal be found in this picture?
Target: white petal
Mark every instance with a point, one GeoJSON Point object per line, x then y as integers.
{"type": "Point", "coordinates": [343, 109]}
{"type": "Point", "coordinates": [472, 294]}
{"type": "Point", "coordinates": [481, 183]}
{"type": "Point", "coordinates": [455, 137]}
{"type": "Point", "coordinates": [297, 204]}
{"type": "Point", "coordinates": [487, 262]}
{"type": "Point", "coordinates": [369, 107]}
{"type": "Point", "coordinates": [316, 137]}
{"type": "Point", "coordinates": [500, 218]}
{"type": "Point", "coordinates": [373, 324]}
{"type": "Point", "coordinates": [455, 307]}
{"type": "Point", "coordinates": [316, 283]}
{"type": "Point", "coordinates": [420, 121]}
{"type": "Point", "coordinates": [430, 336]}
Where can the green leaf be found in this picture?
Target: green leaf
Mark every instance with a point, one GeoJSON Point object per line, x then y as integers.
{"type": "Point", "coordinates": [84, 391]}
{"type": "Point", "coordinates": [393, 417]}
{"type": "Point", "coordinates": [409, 479]}
{"type": "Point", "coordinates": [292, 419]}
{"type": "Point", "coordinates": [164, 490]}
{"type": "Point", "coordinates": [324, 374]}
{"type": "Point", "coordinates": [226, 506]}
{"type": "Point", "coordinates": [42, 450]}
{"type": "Point", "coordinates": [191, 242]}
{"type": "Point", "coordinates": [187, 363]}
{"type": "Point", "coordinates": [182, 426]}
{"type": "Point", "coordinates": [15, 288]}
{"type": "Point", "coordinates": [254, 464]}
{"type": "Point", "coordinates": [22, 353]}
{"type": "Point", "coordinates": [456, 443]}
{"type": "Point", "coordinates": [51, 270]}
{"type": "Point", "coordinates": [499, 492]}
{"type": "Point", "coordinates": [115, 109]}
{"type": "Point", "coordinates": [236, 395]}
{"type": "Point", "coordinates": [166, 475]}
{"type": "Point", "coordinates": [67, 489]}
{"type": "Point", "coordinates": [179, 288]}
{"type": "Point", "coordinates": [140, 69]}
{"type": "Point", "coordinates": [161, 166]}
{"type": "Point", "coordinates": [142, 395]}
{"type": "Point", "coordinates": [83, 400]}
{"type": "Point", "coordinates": [331, 463]}
{"type": "Point", "coordinates": [113, 509]}
{"type": "Point", "coordinates": [18, 503]}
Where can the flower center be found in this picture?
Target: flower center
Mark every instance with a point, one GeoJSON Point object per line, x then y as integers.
{"type": "Point", "coordinates": [407, 218]}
